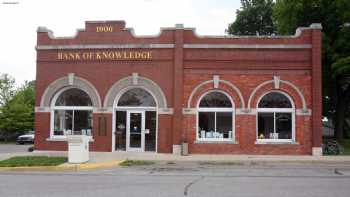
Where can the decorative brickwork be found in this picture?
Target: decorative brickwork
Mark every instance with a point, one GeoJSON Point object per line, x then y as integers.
{"type": "Point", "coordinates": [177, 67]}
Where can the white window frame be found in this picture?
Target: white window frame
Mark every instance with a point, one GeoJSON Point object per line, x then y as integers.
{"type": "Point", "coordinates": [212, 109]}
{"type": "Point", "coordinates": [274, 111]}
{"type": "Point", "coordinates": [116, 108]}
{"type": "Point", "coordinates": [72, 108]}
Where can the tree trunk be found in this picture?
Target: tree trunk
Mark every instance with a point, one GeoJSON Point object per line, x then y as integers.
{"type": "Point", "coordinates": [339, 118]}
{"type": "Point", "coordinates": [341, 106]}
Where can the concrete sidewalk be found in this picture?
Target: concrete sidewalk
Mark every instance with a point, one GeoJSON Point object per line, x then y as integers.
{"type": "Point", "coordinates": [100, 160]}
{"type": "Point", "coordinates": [98, 157]}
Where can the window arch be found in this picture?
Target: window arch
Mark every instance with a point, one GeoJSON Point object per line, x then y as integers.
{"type": "Point", "coordinates": [215, 117]}
{"type": "Point", "coordinates": [136, 97]}
{"type": "Point", "coordinates": [71, 113]}
{"type": "Point", "coordinates": [275, 118]}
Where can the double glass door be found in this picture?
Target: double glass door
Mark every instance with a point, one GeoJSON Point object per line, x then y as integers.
{"type": "Point", "coordinates": [135, 131]}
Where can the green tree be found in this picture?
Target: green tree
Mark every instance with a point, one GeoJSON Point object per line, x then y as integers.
{"type": "Point", "coordinates": [7, 88]}
{"type": "Point", "coordinates": [254, 17]}
{"type": "Point", "coordinates": [335, 17]}
{"type": "Point", "coordinates": [17, 115]}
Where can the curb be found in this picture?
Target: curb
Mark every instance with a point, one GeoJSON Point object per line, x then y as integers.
{"type": "Point", "coordinates": [65, 167]}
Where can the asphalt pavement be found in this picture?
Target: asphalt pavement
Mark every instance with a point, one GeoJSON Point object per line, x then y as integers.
{"type": "Point", "coordinates": [184, 179]}
{"type": "Point", "coordinates": [14, 148]}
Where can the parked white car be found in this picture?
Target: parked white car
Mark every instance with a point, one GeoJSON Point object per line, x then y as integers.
{"type": "Point", "coordinates": [26, 138]}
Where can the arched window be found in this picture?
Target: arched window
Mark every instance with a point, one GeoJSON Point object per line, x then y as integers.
{"type": "Point", "coordinates": [72, 113]}
{"type": "Point", "coordinates": [215, 117]}
{"type": "Point", "coordinates": [275, 118]}
{"type": "Point", "coordinates": [136, 97]}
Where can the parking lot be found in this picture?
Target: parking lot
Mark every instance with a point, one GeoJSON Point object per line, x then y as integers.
{"type": "Point", "coordinates": [13, 148]}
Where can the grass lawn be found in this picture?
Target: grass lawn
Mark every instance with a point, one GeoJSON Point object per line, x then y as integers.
{"type": "Point", "coordinates": [22, 161]}
{"type": "Point", "coordinates": [7, 142]}
{"type": "Point", "coordinates": [346, 146]}
{"type": "Point", "coordinates": [136, 163]}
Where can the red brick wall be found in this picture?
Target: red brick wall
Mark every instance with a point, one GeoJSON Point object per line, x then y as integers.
{"type": "Point", "coordinates": [178, 70]}
{"type": "Point", "coordinates": [245, 125]}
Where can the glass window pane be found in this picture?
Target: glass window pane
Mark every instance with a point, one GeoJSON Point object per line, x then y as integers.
{"type": "Point", "coordinates": [265, 125]}
{"type": "Point", "coordinates": [275, 100]}
{"type": "Point", "coordinates": [224, 124]}
{"type": "Point", "coordinates": [206, 121]}
{"type": "Point", "coordinates": [150, 131]}
{"type": "Point", "coordinates": [215, 99]}
{"type": "Point", "coordinates": [284, 125]}
{"type": "Point", "coordinates": [137, 97]}
{"type": "Point", "coordinates": [73, 97]}
{"type": "Point", "coordinates": [63, 121]}
{"type": "Point", "coordinates": [120, 132]}
{"type": "Point", "coordinates": [82, 122]}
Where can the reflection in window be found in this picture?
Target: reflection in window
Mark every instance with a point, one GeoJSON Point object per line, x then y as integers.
{"type": "Point", "coordinates": [137, 97]}
{"type": "Point", "coordinates": [72, 113]}
{"type": "Point", "coordinates": [215, 117]}
{"type": "Point", "coordinates": [275, 100]}
{"type": "Point", "coordinates": [275, 117]}
{"type": "Point", "coordinates": [73, 97]}
{"type": "Point", "coordinates": [120, 133]}
{"type": "Point", "coordinates": [150, 131]}
{"type": "Point", "coordinates": [215, 99]}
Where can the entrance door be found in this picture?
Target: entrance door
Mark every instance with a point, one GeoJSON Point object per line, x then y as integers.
{"type": "Point", "coordinates": [135, 131]}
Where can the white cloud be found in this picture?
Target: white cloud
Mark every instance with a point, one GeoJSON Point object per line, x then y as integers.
{"type": "Point", "coordinates": [19, 22]}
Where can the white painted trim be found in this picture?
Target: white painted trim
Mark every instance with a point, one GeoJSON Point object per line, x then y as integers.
{"type": "Point", "coordinates": [126, 83]}
{"type": "Point", "coordinates": [42, 109]}
{"type": "Point", "coordinates": [302, 112]}
{"type": "Point", "coordinates": [63, 82]}
{"type": "Point", "coordinates": [123, 91]}
{"type": "Point", "coordinates": [275, 141]}
{"type": "Point", "coordinates": [247, 46]}
{"type": "Point", "coordinates": [189, 111]}
{"type": "Point", "coordinates": [301, 95]}
{"type": "Point", "coordinates": [274, 111]}
{"type": "Point", "coordinates": [195, 90]}
{"type": "Point", "coordinates": [255, 90]}
{"type": "Point", "coordinates": [216, 141]}
{"type": "Point", "coordinates": [165, 111]}
{"type": "Point", "coordinates": [215, 110]}
{"type": "Point", "coordinates": [142, 148]}
{"type": "Point", "coordinates": [106, 46]}
{"type": "Point", "coordinates": [181, 26]}
{"type": "Point", "coordinates": [73, 108]}
{"type": "Point", "coordinates": [235, 89]}
{"type": "Point", "coordinates": [317, 151]}
{"type": "Point", "coordinates": [133, 108]}
{"type": "Point", "coordinates": [63, 139]}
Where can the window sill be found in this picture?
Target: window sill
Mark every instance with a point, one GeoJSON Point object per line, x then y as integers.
{"type": "Point", "coordinates": [63, 139]}
{"type": "Point", "coordinates": [277, 142]}
{"type": "Point", "coordinates": [215, 142]}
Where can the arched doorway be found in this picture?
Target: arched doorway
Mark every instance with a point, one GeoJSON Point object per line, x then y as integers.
{"type": "Point", "coordinates": [135, 121]}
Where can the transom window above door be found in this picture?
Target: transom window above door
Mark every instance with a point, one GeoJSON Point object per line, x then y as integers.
{"type": "Point", "coordinates": [215, 117]}
{"type": "Point", "coordinates": [136, 97]}
{"type": "Point", "coordinates": [275, 118]}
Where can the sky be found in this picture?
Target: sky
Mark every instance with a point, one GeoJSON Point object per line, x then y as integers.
{"type": "Point", "coordinates": [19, 20]}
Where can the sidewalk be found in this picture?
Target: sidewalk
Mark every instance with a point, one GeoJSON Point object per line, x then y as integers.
{"type": "Point", "coordinates": [100, 160]}
{"type": "Point", "coordinates": [97, 157]}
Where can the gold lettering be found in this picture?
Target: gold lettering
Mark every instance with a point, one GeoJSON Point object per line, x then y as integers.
{"type": "Point", "coordinates": [118, 55]}
{"type": "Point", "coordinates": [98, 56]}
{"type": "Point", "coordinates": [60, 56]}
{"type": "Point", "coordinates": [105, 55]}
{"type": "Point", "coordinates": [104, 29]}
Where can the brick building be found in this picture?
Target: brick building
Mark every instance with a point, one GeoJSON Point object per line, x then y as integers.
{"type": "Point", "coordinates": [221, 94]}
